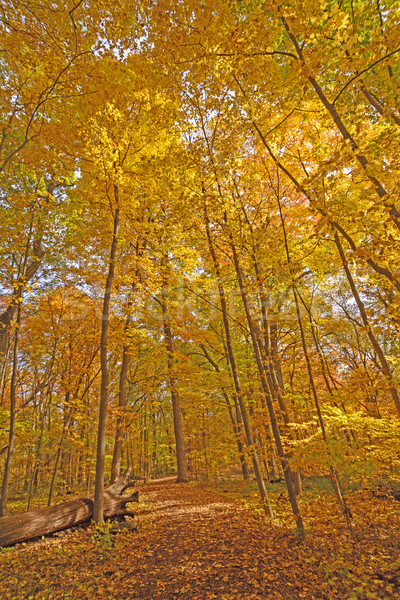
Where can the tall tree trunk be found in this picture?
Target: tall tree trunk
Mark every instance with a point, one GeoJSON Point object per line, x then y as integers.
{"type": "Point", "coordinates": [237, 430]}
{"type": "Point", "coordinates": [66, 423]}
{"type": "Point", "coordinates": [6, 319]}
{"type": "Point", "coordinates": [36, 464]}
{"type": "Point", "coordinates": [98, 502]}
{"type": "Point", "coordinates": [13, 403]}
{"type": "Point", "coordinates": [122, 402]}
{"type": "Point", "coordinates": [275, 471]}
{"type": "Point", "coordinates": [275, 354]}
{"type": "Point", "coordinates": [122, 395]}
{"type": "Point", "coordinates": [176, 401]}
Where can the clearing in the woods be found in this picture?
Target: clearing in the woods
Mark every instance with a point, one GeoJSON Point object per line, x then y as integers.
{"type": "Point", "coordinates": [194, 543]}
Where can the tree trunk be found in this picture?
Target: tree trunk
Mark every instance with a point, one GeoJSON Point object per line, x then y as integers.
{"type": "Point", "coordinates": [11, 434]}
{"type": "Point", "coordinates": [59, 450]}
{"type": "Point", "coordinates": [122, 401]}
{"type": "Point", "coordinates": [101, 432]}
{"type": "Point", "coordinates": [237, 431]}
{"type": "Point", "coordinates": [335, 480]}
{"type": "Point", "coordinates": [176, 402]}
{"type": "Point", "coordinates": [297, 485]}
{"type": "Point", "coordinates": [44, 521]}
{"type": "Point", "coordinates": [6, 319]}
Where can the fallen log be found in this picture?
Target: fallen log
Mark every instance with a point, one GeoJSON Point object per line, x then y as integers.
{"type": "Point", "coordinates": [45, 521]}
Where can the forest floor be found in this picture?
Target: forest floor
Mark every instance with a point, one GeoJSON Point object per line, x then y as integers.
{"type": "Point", "coordinates": [195, 543]}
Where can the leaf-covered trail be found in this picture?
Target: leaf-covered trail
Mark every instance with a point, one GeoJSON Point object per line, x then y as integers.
{"type": "Point", "coordinates": [197, 544]}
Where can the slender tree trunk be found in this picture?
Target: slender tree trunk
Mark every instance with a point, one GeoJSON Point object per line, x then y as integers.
{"type": "Point", "coordinates": [59, 450]}
{"type": "Point", "coordinates": [237, 431]}
{"type": "Point", "coordinates": [275, 354]}
{"type": "Point", "coordinates": [11, 434]}
{"type": "Point", "coordinates": [275, 471]}
{"type": "Point", "coordinates": [176, 401]}
{"type": "Point", "coordinates": [98, 502]}
{"type": "Point", "coordinates": [122, 394]}
{"type": "Point", "coordinates": [14, 309]}
{"type": "Point", "coordinates": [324, 365]}
{"type": "Point", "coordinates": [145, 447]}
{"type": "Point", "coordinates": [28, 271]}
{"type": "Point", "coordinates": [122, 402]}
{"type": "Point", "coordinates": [4, 353]}
{"type": "Point", "coordinates": [36, 464]}
{"type": "Point", "coordinates": [155, 466]}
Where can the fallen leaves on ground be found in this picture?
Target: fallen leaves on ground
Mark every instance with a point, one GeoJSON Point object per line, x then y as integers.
{"type": "Point", "coordinates": [197, 544]}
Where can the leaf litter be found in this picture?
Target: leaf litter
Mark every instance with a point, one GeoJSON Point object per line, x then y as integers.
{"type": "Point", "coordinates": [194, 543]}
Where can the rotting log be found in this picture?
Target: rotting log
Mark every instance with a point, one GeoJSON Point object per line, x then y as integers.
{"type": "Point", "coordinates": [45, 521]}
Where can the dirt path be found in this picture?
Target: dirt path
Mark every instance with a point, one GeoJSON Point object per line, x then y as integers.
{"type": "Point", "coordinates": [195, 544]}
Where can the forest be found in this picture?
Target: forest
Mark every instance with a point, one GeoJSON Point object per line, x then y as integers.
{"type": "Point", "coordinates": [200, 297]}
